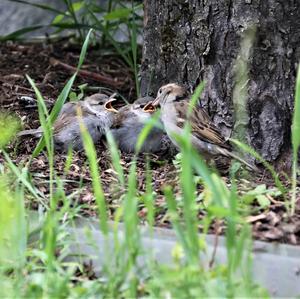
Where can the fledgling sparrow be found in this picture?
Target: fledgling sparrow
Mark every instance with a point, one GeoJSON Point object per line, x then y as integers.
{"type": "Point", "coordinates": [205, 136]}
{"type": "Point", "coordinates": [97, 115]}
{"type": "Point", "coordinates": [128, 125]}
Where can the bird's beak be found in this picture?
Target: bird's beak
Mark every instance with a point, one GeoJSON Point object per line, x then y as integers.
{"type": "Point", "coordinates": [149, 107]}
{"type": "Point", "coordinates": [109, 107]}
{"type": "Point", "coordinates": [156, 102]}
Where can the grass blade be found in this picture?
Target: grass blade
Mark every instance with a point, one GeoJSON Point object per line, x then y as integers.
{"type": "Point", "coordinates": [90, 151]}
{"type": "Point", "coordinates": [295, 140]}
{"type": "Point", "coordinates": [84, 49]}
{"type": "Point", "coordinates": [39, 5]}
{"type": "Point", "coordinates": [22, 179]}
{"type": "Point", "coordinates": [63, 95]}
{"type": "Point", "coordinates": [55, 111]}
{"type": "Point", "coordinates": [246, 148]}
{"type": "Point", "coordinates": [115, 158]}
{"type": "Point", "coordinates": [14, 35]}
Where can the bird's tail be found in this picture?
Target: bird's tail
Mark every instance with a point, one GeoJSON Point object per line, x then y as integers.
{"type": "Point", "coordinates": [235, 156]}
{"type": "Point", "coordinates": [35, 132]}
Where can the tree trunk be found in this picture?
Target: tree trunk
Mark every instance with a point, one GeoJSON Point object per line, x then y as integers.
{"type": "Point", "coordinates": [187, 41]}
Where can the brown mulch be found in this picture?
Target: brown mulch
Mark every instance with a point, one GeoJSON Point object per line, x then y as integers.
{"type": "Point", "coordinates": [40, 62]}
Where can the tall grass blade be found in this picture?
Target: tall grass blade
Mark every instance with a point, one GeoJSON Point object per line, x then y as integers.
{"type": "Point", "coordinates": [16, 34]}
{"type": "Point", "coordinates": [63, 96]}
{"type": "Point", "coordinates": [47, 134]}
{"type": "Point", "coordinates": [115, 158]}
{"type": "Point", "coordinates": [173, 213]}
{"type": "Point", "coordinates": [36, 193]}
{"type": "Point", "coordinates": [195, 97]}
{"type": "Point", "coordinates": [148, 196]}
{"type": "Point", "coordinates": [55, 111]}
{"type": "Point", "coordinates": [39, 5]}
{"type": "Point", "coordinates": [84, 49]}
{"type": "Point", "coordinates": [90, 151]}
{"type": "Point", "coordinates": [246, 148]}
{"type": "Point", "coordinates": [295, 141]}
{"type": "Point", "coordinates": [149, 124]}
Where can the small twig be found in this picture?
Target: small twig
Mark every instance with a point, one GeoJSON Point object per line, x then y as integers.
{"type": "Point", "coordinates": [252, 219]}
{"type": "Point", "coordinates": [87, 74]}
{"type": "Point", "coordinates": [6, 84]}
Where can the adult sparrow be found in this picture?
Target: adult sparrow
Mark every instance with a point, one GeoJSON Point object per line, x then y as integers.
{"type": "Point", "coordinates": [128, 125]}
{"type": "Point", "coordinates": [97, 115]}
{"type": "Point", "coordinates": [205, 136]}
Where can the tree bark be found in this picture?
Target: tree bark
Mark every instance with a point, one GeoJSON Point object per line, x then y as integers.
{"type": "Point", "coordinates": [187, 41]}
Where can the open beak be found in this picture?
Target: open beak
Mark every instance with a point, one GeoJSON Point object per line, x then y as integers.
{"type": "Point", "coordinates": [151, 106]}
{"type": "Point", "coordinates": [108, 105]}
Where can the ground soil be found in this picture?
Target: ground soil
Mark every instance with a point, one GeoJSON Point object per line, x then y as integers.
{"type": "Point", "coordinates": [16, 96]}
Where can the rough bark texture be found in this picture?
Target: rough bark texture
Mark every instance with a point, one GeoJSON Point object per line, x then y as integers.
{"type": "Point", "coordinates": [187, 41]}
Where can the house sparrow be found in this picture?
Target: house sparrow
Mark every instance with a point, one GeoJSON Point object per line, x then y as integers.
{"type": "Point", "coordinates": [97, 115]}
{"type": "Point", "coordinates": [205, 136]}
{"type": "Point", "coordinates": [128, 125]}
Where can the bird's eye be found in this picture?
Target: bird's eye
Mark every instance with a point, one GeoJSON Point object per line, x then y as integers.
{"type": "Point", "coordinates": [142, 106]}
{"type": "Point", "coordinates": [160, 91]}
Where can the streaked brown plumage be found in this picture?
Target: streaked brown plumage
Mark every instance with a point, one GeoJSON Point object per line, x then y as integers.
{"type": "Point", "coordinates": [174, 101]}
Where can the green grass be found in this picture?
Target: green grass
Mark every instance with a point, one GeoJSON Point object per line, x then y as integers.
{"type": "Point", "coordinates": [295, 141]}
{"type": "Point", "coordinates": [81, 15]}
{"type": "Point", "coordinates": [33, 264]}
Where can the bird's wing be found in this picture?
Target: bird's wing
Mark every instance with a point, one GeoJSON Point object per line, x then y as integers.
{"type": "Point", "coordinates": [63, 121]}
{"type": "Point", "coordinates": [201, 124]}
{"type": "Point", "coordinates": [68, 108]}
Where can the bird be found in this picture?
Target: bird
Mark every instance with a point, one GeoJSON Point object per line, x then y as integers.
{"type": "Point", "coordinates": [128, 125]}
{"type": "Point", "coordinates": [97, 115]}
{"type": "Point", "coordinates": [174, 101]}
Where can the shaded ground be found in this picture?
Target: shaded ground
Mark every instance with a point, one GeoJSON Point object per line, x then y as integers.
{"type": "Point", "coordinates": [270, 223]}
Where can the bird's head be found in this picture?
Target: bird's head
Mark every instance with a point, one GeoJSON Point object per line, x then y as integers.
{"type": "Point", "coordinates": [169, 93]}
{"type": "Point", "coordinates": [138, 107]}
{"type": "Point", "coordinates": [140, 103]}
{"type": "Point", "coordinates": [102, 100]}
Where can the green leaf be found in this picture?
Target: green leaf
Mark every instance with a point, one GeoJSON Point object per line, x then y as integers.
{"type": "Point", "coordinates": [263, 201]}
{"type": "Point", "coordinates": [73, 96]}
{"type": "Point", "coordinates": [218, 211]}
{"type": "Point", "coordinates": [58, 19]}
{"type": "Point", "coordinates": [120, 13]}
{"type": "Point", "coordinates": [77, 5]}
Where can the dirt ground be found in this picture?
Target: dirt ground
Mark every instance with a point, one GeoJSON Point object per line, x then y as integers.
{"type": "Point", "coordinates": [43, 63]}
